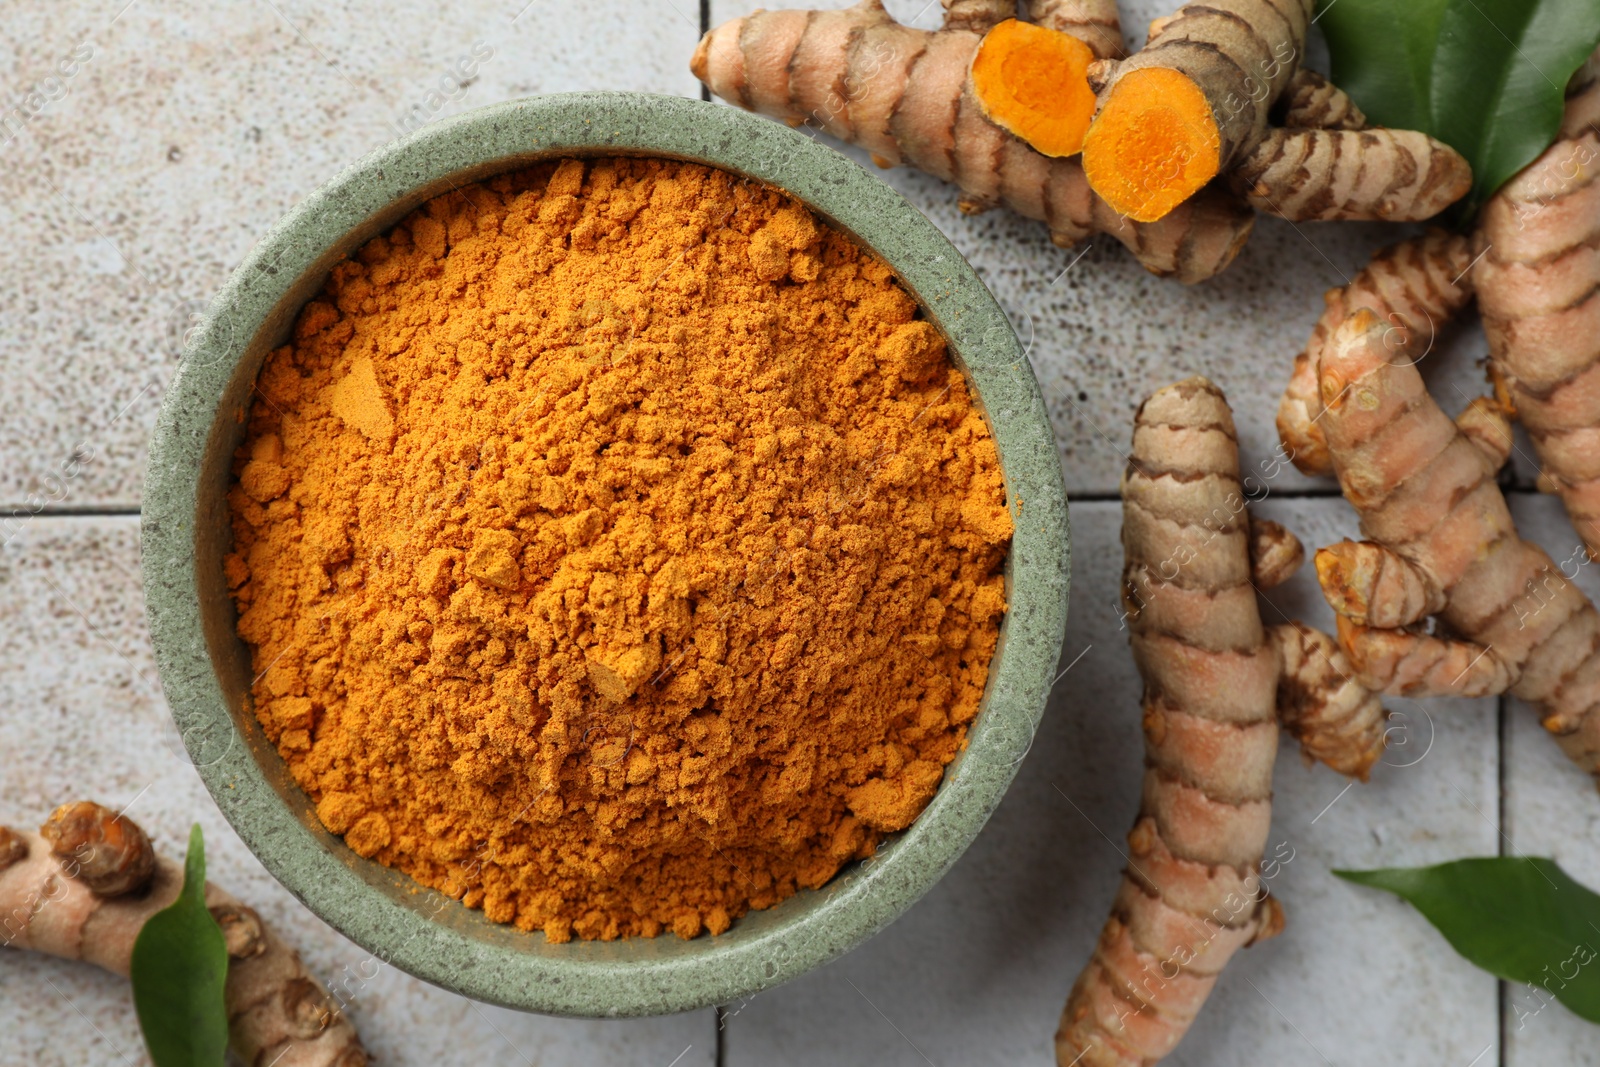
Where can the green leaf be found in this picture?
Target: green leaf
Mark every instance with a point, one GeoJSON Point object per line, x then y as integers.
{"type": "Point", "coordinates": [180, 965]}
{"type": "Point", "coordinates": [1524, 920]}
{"type": "Point", "coordinates": [1486, 77]}
{"type": "Point", "coordinates": [1382, 55]}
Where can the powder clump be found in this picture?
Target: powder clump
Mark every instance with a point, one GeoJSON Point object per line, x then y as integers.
{"type": "Point", "coordinates": [618, 549]}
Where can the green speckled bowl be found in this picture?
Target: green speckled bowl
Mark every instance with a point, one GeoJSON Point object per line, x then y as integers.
{"type": "Point", "coordinates": [205, 668]}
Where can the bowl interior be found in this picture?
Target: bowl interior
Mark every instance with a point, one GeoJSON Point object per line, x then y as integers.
{"type": "Point", "coordinates": [206, 668]}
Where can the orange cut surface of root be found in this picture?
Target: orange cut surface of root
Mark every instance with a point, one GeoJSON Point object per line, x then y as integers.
{"type": "Point", "coordinates": [1153, 145]}
{"type": "Point", "coordinates": [1033, 82]}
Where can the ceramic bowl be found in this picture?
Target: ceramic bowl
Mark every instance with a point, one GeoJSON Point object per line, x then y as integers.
{"type": "Point", "coordinates": [205, 668]}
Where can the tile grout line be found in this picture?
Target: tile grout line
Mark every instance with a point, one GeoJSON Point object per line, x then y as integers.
{"type": "Point", "coordinates": [88, 511]}
{"type": "Point", "coordinates": [1503, 736]}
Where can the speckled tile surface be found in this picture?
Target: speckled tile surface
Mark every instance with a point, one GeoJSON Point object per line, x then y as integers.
{"type": "Point", "coordinates": [184, 133]}
{"type": "Point", "coordinates": [185, 129]}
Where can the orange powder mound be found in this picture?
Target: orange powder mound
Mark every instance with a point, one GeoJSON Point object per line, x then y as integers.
{"type": "Point", "coordinates": [618, 549]}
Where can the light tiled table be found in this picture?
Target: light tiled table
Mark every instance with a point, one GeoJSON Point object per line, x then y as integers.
{"type": "Point", "coordinates": [191, 127]}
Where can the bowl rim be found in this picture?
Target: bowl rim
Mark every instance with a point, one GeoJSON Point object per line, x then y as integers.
{"type": "Point", "coordinates": [359, 898]}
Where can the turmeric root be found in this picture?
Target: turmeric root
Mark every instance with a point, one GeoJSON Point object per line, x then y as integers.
{"type": "Point", "coordinates": [1440, 539]}
{"type": "Point", "coordinates": [1312, 102]}
{"type": "Point", "coordinates": [1034, 82]}
{"type": "Point", "coordinates": [1337, 720]}
{"type": "Point", "coordinates": [1417, 286]}
{"type": "Point", "coordinates": [907, 96]}
{"type": "Point", "coordinates": [1094, 22]}
{"type": "Point", "coordinates": [999, 106]}
{"type": "Point", "coordinates": [83, 888]}
{"type": "Point", "coordinates": [1538, 287]}
{"type": "Point", "coordinates": [1275, 553]}
{"type": "Point", "coordinates": [1319, 175]}
{"type": "Point", "coordinates": [1195, 103]}
{"type": "Point", "coordinates": [113, 856]}
{"type": "Point", "coordinates": [1193, 892]}
{"type": "Point", "coordinates": [1535, 270]}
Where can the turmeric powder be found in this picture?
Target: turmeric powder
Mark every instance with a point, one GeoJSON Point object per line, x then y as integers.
{"type": "Point", "coordinates": [618, 549]}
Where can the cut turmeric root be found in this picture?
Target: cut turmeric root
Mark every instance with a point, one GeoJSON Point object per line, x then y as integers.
{"type": "Point", "coordinates": [82, 889]}
{"type": "Point", "coordinates": [1216, 684]}
{"type": "Point", "coordinates": [1154, 144]}
{"type": "Point", "coordinates": [1178, 156]}
{"type": "Point", "coordinates": [1194, 105]}
{"type": "Point", "coordinates": [909, 96]}
{"type": "Point", "coordinates": [1034, 82]}
{"type": "Point", "coordinates": [1192, 102]}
